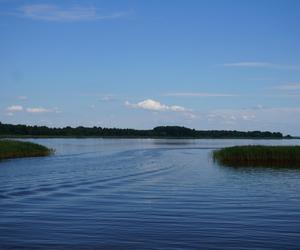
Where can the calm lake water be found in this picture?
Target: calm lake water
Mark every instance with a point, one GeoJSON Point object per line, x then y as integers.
{"type": "Point", "coordinates": [146, 194]}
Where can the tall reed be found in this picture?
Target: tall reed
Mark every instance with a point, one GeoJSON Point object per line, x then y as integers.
{"type": "Point", "coordinates": [256, 155]}
{"type": "Point", "coordinates": [16, 149]}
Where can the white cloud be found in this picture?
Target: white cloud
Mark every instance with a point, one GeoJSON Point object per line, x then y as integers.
{"type": "Point", "coordinates": [258, 107]}
{"type": "Point", "coordinates": [22, 97]}
{"type": "Point", "coordinates": [248, 117]}
{"type": "Point", "coordinates": [150, 104]}
{"type": "Point", "coordinates": [36, 110]}
{"type": "Point", "coordinates": [51, 12]}
{"type": "Point", "coordinates": [40, 110]}
{"type": "Point", "coordinates": [176, 108]}
{"type": "Point", "coordinates": [191, 115]}
{"type": "Point", "coordinates": [199, 94]}
{"type": "Point", "coordinates": [15, 108]}
{"type": "Point", "coordinates": [107, 98]}
{"type": "Point", "coordinates": [262, 65]}
{"type": "Point", "coordinates": [249, 64]}
{"type": "Point", "coordinates": [222, 116]}
{"type": "Point", "coordinates": [278, 118]}
{"type": "Point", "coordinates": [289, 87]}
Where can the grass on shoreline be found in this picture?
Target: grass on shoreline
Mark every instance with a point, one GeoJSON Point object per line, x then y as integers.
{"type": "Point", "coordinates": [17, 149]}
{"type": "Point", "coordinates": [264, 156]}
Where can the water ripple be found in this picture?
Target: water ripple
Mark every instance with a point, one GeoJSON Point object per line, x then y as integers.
{"type": "Point", "coordinates": [145, 195]}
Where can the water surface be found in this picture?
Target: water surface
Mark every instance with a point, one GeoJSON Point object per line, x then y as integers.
{"type": "Point", "coordinates": [146, 194]}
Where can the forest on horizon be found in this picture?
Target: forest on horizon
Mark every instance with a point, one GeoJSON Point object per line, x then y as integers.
{"type": "Point", "coordinates": [157, 132]}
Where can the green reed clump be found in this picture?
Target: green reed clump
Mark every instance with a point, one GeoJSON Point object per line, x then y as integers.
{"type": "Point", "coordinates": [16, 149]}
{"type": "Point", "coordinates": [283, 156]}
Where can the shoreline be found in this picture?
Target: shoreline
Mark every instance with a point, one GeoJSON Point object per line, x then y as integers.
{"type": "Point", "coordinates": [139, 137]}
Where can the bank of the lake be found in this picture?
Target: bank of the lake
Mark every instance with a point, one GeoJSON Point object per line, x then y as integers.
{"type": "Point", "coordinates": [17, 149]}
{"type": "Point", "coordinates": [259, 155]}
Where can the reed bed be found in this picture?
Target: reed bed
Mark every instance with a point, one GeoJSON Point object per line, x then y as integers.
{"type": "Point", "coordinates": [16, 149]}
{"type": "Point", "coordinates": [256, 155]}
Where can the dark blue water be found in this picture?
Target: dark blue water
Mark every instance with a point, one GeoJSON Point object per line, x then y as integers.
{"type": "Point", "coordinates": [146, 194]}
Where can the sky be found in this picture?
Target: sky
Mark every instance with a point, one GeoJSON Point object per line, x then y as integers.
{"type": "Point", "coordinates": [204, 64]}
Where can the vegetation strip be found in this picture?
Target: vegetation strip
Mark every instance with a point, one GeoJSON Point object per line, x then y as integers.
{"type": "Point", "coordinates": [16, 149]}
{"type": "Point", "coordinates": [10, 130]}
{"type": "Point", "coordinates": [255, 155]}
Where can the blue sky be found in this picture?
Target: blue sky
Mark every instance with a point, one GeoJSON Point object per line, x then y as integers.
{"type": "Point", "coordinates": [214, 64]}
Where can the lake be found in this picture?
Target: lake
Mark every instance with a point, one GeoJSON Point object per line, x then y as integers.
{"type": "Point", "coordinates": [146, 194]}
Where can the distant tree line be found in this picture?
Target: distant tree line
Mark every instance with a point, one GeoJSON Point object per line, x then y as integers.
{"type": "Point", "coordinates": [157, 132]}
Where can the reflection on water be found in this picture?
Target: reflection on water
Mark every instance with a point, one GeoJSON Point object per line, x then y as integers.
{"type": "Point", "coordinates": [174, 141]}
{"type": "Point", "coordinates": [146, 194]}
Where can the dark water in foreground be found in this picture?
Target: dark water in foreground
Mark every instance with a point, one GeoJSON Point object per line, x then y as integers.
{"type": "Point", "coordinates": [145, 194]}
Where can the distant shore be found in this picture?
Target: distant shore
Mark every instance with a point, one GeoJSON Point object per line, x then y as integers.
{"type": "Point", "coordinates": [138, 137]}
{"type": "Point", "coordinates": [161, 132]}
